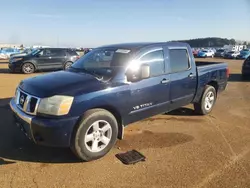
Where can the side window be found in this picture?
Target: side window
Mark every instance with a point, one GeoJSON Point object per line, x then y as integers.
{"type": "Point", "coordinates": [99, 59]}
{"type": "Point", "coordinates": [155, 60]}
{"type": "Point", "coordinates": [179, 60]}
{"type": "Point", "coordinates": [41, 53]}
{"type": "Point", "coordinates": [45, 52]}
{"type": "Point", "coordinates": [57, 52]}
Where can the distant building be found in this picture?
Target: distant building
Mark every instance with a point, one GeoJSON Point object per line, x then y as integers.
{"type": "Point", "coordinates": [234, 47]}
{"type": "Point", "coordinates": [9, 45]}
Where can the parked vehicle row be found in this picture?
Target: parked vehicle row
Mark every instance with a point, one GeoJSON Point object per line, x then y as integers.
{"type": "Point", "coordinates": [6, 53]}
{"type": "Point", "coordinates": [87, 106]}
{"type": "Point", "coordinates": [223, 53]}
{"type": "Point", "coordinates": [231, 54]}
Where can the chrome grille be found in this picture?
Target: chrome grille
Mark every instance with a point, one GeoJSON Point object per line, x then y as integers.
{"type": "Point", "coordinates": [26, 102]}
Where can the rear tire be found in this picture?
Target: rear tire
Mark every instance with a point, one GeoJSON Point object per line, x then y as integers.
{"type": "Point", "coordinates": [67, 65]}
{"type": "Point", "coordinates": [95, 135]}
{"type": "Point", "coordinates": [28, 68]}
{"type": "Point", "coordinates": [207, 101]}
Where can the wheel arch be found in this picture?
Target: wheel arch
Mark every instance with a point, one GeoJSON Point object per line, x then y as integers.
{"type": "Point", "coordinates": [68, 61]}
{"type": "Point", "coordinates": [31, 62]}
{"type": "Point", "coordinates": [118, 118]}
{"type": "Point", "coordinates": [214, 84]}
{"type": "Point", "coordinates": [115, 113]}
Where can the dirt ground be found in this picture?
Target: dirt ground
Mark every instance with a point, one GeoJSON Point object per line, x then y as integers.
{"type": "Point", "coordinates": [181, 149]}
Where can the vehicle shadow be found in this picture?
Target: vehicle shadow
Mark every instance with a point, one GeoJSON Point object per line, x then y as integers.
{"type": "Point", "coordinates": [183, 111]}
{"type": "Point", "coordinates": [4, 162]}
{"type": "Point", "coordinates": [144, 139]}
{"type": "Point", "coordinates": [3, 62]}
{"type": "Point", "coordinates": [238, 78]}
{"type": "Point", "coordinates": [14, 145]}
{"type": "Point", "coordinates": [4, 71]}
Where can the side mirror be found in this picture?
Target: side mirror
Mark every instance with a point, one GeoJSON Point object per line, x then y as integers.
{"type": "Point", "coordinates": [135, 75]}
{"type": "Point", "coordinates": [107, 53]}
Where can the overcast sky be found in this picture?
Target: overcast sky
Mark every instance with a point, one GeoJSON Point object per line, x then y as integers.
{"type": "Point", "coordinates": [97, 22]}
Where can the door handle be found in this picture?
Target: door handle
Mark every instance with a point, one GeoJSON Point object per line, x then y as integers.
{"type": "Point", "coordinates": [164, 81]}
{"type": "Point", "coordinates": [191, 75]}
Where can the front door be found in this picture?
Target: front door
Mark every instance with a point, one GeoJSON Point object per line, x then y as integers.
{"type": "Point", "coordinates": [183, 77]}
{"type": "Point", "coordinates": [150, 96]}
{"type": "Point", "coordinates": [44, 59]}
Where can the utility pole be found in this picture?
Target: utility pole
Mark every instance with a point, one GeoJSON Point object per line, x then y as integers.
{"type": "Point", "coordinates": [57, 41]}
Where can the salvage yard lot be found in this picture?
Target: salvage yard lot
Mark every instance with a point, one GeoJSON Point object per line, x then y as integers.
{"type": "Point", "coordinates": [181, 149]}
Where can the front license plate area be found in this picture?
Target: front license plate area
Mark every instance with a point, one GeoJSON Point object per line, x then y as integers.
{"type": "Point", "coordinates": [23, 126]}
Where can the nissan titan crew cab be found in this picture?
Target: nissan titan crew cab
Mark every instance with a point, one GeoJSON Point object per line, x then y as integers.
{"type": "Point", "coordinates": [87, 106]}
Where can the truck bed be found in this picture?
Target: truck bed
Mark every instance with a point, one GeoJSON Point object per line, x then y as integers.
{"type": "Point", "coordinates": [206, 63]}
{"type": "Point", "coordinates": [210, 66]}
{"type": "Point", "coordinates": [208, 72]}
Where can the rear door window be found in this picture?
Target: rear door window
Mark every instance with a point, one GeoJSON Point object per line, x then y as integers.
{"type": "Point", "coordinates": [57, 52]}
{"type": "Point", "coordinates": [179, 60]}
{"type": "Point", "coordinates": [72, 53]}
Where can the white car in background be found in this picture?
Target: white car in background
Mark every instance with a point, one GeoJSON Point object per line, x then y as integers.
{"type": "Point", "coordinates": [231, 54]}
{"type": "Point", "coordinates": [205, 53]}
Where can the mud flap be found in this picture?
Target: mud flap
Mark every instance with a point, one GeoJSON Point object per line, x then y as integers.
{"type": "Point", "coordinates": [130, 157]}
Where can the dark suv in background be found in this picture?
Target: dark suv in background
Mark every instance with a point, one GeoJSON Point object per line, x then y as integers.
{"type": "Point", "coordinates": [246, 69]}
{"type": "Point", "coordinates": [43, 59]}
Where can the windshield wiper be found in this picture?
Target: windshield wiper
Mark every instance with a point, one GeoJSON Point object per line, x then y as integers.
{"type": "Point", "coordinates": [89, 72]}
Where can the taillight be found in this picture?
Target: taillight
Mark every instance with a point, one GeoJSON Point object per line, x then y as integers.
{"type": "Point", "coordinates": [227, 72]}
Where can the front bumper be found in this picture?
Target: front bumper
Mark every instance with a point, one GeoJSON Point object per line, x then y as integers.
{"type": "Point", "coordinates": [14, 67]}
{"type": "Point", "coordinates": [44, 131]}
{"type": "Point", "coordinates": [245, 70]}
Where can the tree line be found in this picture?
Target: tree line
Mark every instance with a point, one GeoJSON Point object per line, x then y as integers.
{"type": "Point", "coordinates": [213, 42]}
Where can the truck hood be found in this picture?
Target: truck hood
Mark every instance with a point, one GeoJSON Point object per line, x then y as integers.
{"type": "Point", "coordinates": [61, 83]}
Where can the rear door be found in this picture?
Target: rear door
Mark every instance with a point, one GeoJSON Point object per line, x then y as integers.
{"type": "Point", "coordinates": [182, 76]}
{"type": "Point", "coordinates": [58, 58]}
{"type": "Point", "coordinates": [150, 96]}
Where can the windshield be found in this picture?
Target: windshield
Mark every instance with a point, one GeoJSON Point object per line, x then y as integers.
{"type": "Point", "coordinates": [35, 51]}
{"type": "Point", "coordinates": [231, 52]}
{"type": "Point", "coordinates": [204, 51]}
{"type": "Point", "coordinates": [103, 62]}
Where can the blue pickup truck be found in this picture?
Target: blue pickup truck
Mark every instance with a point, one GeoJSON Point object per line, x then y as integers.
{"type": "Point", "coordinates": [87, 106]}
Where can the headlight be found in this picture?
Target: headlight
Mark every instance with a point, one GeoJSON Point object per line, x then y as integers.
{"type": "Point", "coordinates": [16, 59]}
{"type": "Point", "coordinates": [57, 105]}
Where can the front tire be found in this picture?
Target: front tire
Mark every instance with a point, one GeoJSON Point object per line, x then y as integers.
{"type": "Point", "coordinates": [207, 101]}
{"type": "Point", "coordinates": [244, 77]}
{"type": "Point", "coordinates": [28, 68]}
{"type": "Point", "coordinates": [95, 135]}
